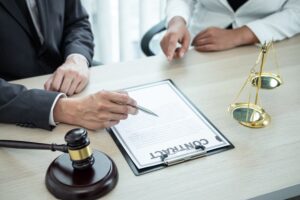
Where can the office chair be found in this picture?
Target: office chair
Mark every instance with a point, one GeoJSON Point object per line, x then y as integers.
{"type": "Point", "coordinates": [96, 63]}
{"type": "Point", "coordinates": [147, 37]}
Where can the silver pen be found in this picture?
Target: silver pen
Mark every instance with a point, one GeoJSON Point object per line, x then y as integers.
{"type": "Point", "coordinates": [145, 110]}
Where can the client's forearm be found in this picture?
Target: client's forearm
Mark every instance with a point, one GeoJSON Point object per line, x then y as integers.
{"type": "Point", "coordinates": [244, 36]}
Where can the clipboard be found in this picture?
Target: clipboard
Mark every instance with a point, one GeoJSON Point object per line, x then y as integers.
{"type": "Point", "coordinates": [199, 149]}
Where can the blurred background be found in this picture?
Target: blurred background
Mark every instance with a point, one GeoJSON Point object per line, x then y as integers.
{"type": "Point", "coordinates": [118, 26]}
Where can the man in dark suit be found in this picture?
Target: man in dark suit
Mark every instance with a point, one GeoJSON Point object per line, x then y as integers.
{"type": "Point", "coordinates": [46, 36]}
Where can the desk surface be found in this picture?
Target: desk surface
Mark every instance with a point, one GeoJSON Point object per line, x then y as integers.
{"type": "Point", "coordinates": [263, 161]}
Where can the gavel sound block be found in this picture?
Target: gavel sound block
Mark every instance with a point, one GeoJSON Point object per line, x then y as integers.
{"type": "Point", "coordinates": [80, 174]}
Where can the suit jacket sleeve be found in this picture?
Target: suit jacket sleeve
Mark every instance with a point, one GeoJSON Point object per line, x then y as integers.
{"type": "Point", "coordinates": [280, 25]}
{"type": "Point", "coordinates": [181, 8]}
{"type": "Point", "coordinates": [78, 37]}
{"type": "Point", "coordinates": [29, 108]}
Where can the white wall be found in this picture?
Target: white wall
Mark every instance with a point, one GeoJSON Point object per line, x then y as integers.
{"type": "Point", "coordinates": [118, 26]}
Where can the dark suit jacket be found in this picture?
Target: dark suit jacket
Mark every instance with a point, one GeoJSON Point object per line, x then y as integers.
{"type": "Point", "coordinates": [28, 108]}
{"type": "Point", "coordinates": [65, 28]}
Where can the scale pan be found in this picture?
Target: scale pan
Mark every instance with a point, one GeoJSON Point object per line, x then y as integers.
{"type": "Point", "coordinates": [268, 80]}
{"type": "Point", "coordinates": [250, 115]}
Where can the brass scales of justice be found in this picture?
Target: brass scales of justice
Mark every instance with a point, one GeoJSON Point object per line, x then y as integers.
{"type": "Point", "coordinates": [251, 114]}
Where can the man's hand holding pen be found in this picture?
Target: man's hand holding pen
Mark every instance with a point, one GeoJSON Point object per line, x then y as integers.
{"type": "Point", "coordinates": [100, 110]}
{"type": "Point", "coordinates": [139, 107]}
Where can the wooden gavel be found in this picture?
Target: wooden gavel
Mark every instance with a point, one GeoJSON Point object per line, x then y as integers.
{"type": "Point", "coordinates": [79, 173]}
{"type": "Point", "coordinates": [77, 147]}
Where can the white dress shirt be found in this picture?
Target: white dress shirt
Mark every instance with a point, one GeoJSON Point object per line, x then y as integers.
{"type": "Point", "coordinates": [268, 19]}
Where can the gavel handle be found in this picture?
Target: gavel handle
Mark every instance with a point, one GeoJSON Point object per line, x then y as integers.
{"type": "Point", "coordinates": [33, 145]}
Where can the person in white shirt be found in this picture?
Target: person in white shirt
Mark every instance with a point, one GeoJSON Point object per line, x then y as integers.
{"type": "Point", "coordinates": [214, 25]}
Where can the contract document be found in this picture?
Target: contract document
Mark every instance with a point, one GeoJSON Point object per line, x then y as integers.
{"type": "Point", "coordinates": [179, 130]}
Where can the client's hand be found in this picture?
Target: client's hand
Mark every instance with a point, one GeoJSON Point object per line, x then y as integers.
{"type": "Point", "coordinates": [177, 33]}
{"type": "Point", "coordinates": [216, 39]}
{"type": "Point", "coordinates": [71, 77]}
{"type": "Point", "coordinates": [100, 110]}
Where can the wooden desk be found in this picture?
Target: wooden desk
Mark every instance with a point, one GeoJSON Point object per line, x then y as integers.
{"type": "Point", "coordinates": [263, 161]}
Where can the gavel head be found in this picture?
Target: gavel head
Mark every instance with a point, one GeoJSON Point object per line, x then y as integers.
{"type": "Point", "coordinates": [78, 147]}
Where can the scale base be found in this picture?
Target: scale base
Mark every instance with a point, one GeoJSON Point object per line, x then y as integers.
{"type": "Point", "coordinates": [65, 182]}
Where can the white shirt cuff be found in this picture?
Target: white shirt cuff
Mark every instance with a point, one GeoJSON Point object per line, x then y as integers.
{"type": "Point", "coordinates": [51, 117]}
{"type": "Point", "coordinates": [184, 16]}
{"type": "Point", "coordinates": [179, 8]}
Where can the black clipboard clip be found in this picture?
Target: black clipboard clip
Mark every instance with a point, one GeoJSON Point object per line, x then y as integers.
{"type": "Point", "coordinates": [169, 161]}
